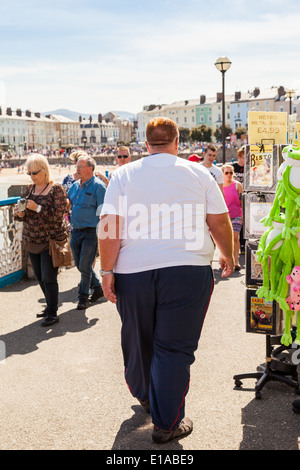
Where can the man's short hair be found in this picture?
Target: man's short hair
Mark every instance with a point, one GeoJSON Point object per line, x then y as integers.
{"type": "Point", "coordinates": [161, 131]}
{"type": "Point", "coordinates": [211, 147]}
{"type": "Point", "coordinates": [89, 161]}
{"type": "Point", "coordinates": [124, 148]}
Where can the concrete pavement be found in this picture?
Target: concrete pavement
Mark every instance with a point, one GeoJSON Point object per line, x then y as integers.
{"type": "Point", "coordinates": [63, 387]}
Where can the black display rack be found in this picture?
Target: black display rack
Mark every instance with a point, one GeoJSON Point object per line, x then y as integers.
{"type": "Point", "coordinates": [279, 366]}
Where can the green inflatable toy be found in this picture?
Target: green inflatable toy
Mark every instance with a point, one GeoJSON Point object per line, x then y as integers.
{"type": "Point", "coordinates": [278, 249]}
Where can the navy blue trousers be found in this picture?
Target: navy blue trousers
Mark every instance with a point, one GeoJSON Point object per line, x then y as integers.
{"type": "Point", "coordinates": [162, 313]}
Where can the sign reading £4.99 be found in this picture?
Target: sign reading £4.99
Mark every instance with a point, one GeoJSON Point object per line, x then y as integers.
{"type": "Point", "coordinates": [267, 127]}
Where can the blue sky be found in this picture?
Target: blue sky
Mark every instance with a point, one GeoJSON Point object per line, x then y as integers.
{"type": "Point", "coordinates": [96, 56]}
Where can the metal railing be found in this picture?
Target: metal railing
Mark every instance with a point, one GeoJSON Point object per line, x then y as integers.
{"type": "Point", "coordinates": [11, 270]}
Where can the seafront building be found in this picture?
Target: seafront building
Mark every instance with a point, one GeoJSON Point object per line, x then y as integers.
{"type": "Point", "coordinates": [208, 110]}
{"type": "Point", "coordinates": [22, 131]}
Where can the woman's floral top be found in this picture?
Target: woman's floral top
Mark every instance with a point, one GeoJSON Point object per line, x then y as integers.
{"type": "Point", "coordinates": [50, 221]}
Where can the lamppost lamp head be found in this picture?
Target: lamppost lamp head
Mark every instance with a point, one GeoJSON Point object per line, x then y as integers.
{"type": "Point", "coordinates": [290, 93]}
{"type": "Point", "coordinates": [223, 64]}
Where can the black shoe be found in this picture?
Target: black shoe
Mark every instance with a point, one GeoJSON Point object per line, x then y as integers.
{"type": "Point", "coordinates": [145, 404]}
{"type": "Point", "coordinates": [42, 314]}
{"type": "Point", "coordinates": [97, 294]}
{"type": "Point", "coordinates": [82, 304]}
{"type": "Point", "coordinates": [49, 321]}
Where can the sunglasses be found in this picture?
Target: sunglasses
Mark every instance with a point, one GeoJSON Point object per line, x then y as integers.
{"type": "Point", "coordinates": [228, 172]}
{"type": "Point", "coordinates": [123, 156]}
{"type": "Point", "coordinates": [33, 173]}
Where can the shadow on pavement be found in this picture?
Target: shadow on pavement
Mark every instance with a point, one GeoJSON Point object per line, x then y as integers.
{"type": "Point", "coordinates": [269, 423]}
{"type": "Point", "coordinates": [26, 339]}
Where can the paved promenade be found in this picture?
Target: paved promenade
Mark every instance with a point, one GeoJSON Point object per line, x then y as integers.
{"type": "Point", "coordinates": [63, 387]}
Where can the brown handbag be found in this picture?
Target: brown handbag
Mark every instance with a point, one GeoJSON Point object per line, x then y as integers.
{"type": "Point", "coordinates": [60, 252]}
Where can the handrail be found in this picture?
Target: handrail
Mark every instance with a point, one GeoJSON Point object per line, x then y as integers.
{"type": "Point", "coordinates": [8, 201]}
{"type": "Point", "coordinates": [10, 244]}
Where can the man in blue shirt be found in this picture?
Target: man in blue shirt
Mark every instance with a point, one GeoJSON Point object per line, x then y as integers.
{"type": "Point", "coordinates": [86, 197]}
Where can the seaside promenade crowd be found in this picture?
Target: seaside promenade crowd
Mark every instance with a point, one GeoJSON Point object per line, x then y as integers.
{"type": "Point", "coordinates": [161, 283]}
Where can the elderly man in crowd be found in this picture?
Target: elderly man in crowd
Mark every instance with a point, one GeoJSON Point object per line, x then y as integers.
{"type": "Point", "coordinates": [86, 196]}
{"type": "Point", "coordinates": [156, 252]}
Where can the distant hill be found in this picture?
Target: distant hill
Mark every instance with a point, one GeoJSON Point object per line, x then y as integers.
{"type": "Point", "coordinates": [75, 115]}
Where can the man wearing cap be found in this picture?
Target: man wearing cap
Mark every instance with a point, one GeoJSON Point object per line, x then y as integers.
{"type": "Point", "coordinates": [156, 253]}
{"type": "Point", "coordinates": [194, 158]}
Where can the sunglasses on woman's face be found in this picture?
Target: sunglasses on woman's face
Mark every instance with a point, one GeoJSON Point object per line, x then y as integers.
{"type": "Point", "coordinates": [228, 172]}
{"type": "Point", "coordinates": [123, 156]}
{"type": "Point", "coordinates": [33, 173]}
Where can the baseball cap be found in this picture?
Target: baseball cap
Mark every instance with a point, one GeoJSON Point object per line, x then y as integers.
{"type": "Point", "coordinates": [194, 158]}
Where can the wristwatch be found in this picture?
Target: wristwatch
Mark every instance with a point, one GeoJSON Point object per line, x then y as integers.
{"type": "Point", "coordinates": [104, 273]}
{"type": "Point", "coordinates": [38, 209]}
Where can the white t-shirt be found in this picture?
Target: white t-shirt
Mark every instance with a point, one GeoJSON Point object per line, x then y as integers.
{"type": "Point", "coordinates": [163, 200]}
{"type": "Point", "coordinates": [216, 172]}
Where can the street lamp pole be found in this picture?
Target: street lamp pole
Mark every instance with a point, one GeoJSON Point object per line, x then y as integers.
{"type": "Point", "coordinates": [290, 94]}
{"type": "Point", "coordinates": [223, 64]}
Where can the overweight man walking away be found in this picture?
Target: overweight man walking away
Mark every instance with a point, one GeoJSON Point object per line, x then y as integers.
{"type": "Point", "coordinates": [159, 222]}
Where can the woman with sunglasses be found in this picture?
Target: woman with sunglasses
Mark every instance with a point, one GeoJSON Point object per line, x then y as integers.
{"type": "Point", "coordinates": [43, 216]}
{"type": "Point", "coordinates": [232, 192]}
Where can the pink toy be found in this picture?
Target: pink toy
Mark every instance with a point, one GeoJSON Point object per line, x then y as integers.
{"type": "Point", "coordinates": [294, 298]}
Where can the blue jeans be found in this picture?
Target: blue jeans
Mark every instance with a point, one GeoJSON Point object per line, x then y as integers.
{"type": "Point", "coordinates": [46, 275]}
{"type": "Point", "coordinates": [84, 248]}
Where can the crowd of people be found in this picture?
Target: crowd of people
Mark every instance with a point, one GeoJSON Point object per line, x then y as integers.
{"type": "Point", "coordinates": [230, 178]}
{"type": "Point", "coordinates": [161, 285]}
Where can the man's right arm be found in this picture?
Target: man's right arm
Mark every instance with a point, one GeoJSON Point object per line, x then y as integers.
{"type": "Point", "coordinates": [109, 236]}
{"type": "Point", "coordinates": [221, 230]}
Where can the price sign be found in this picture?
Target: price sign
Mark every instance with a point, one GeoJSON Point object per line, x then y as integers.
{"type": "Point", "coordinates": [267, 126]}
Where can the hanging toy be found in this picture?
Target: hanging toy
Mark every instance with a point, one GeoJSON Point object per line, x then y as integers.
{"type": "Point", "coordinates": [293, 300]}
{"type": "Point", "coordinates": [285, 190]}
{"type": "Point", "coordinates": [268, 256]}
{"type": "Point", "coordinates": [291, 185]}
{"type": "Point", "coordinates": [279, 196]}
{"type": "Point", "coordinates": [278, 249]}
{"type": "Point", "coordinates": [293, 280]}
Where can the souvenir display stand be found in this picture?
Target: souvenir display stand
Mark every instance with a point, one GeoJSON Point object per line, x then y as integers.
{"type": "Point", "coordinates": [272, 255]}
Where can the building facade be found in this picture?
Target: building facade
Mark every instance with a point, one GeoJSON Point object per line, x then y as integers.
{"type": "Point", "coordinates": [95, 133]}
{"type": "Point", "coordinates": [208, 111]}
